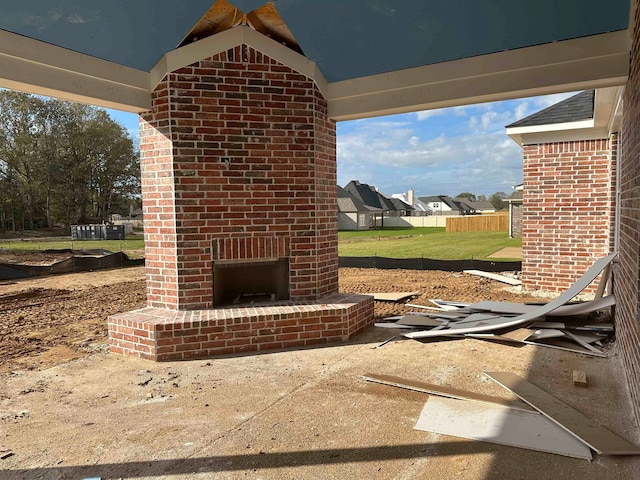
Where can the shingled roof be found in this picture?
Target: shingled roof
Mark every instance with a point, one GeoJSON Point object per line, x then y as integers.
{"type": "Point", "coordinates": [573, 109]}
{"type": "Point", "coordinates": [347, 203]}
{"type": "Point", "coordinates": [369, 195]}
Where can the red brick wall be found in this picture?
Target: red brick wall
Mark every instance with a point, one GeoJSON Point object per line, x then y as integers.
{"type": "Point", "coordinates": [627, 271]}
{"type": "Point", "coordinates": [161, 335]}
{"type": "Point", "coordinates": [243, 146]}
{"type": "Point", "coordinates": [158, 193]}
{"type": "Point", "coordinates": [567, 211]}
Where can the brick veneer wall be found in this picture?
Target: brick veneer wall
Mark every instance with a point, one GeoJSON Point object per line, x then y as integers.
{"type": "Point", "coordinates": [567, 211]}
{"type": "Point", "coordinates": [516, 219]}
{"type": "Point", "coordinates": [237, 145]}
{"type": "Point", "coordinates": [627, 271]}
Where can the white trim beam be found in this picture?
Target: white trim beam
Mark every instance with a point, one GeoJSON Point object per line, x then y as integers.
{"type": "Point", "coordinates": [37, 67]}
{"type": "Point", "coordinates": [240, 35]}
{"type": "Point", "coordinates": [551, 127]}
{"type": "Point", "coordinates": [591, 62]}
{"type": "Point", "coordinates": [537, 138]}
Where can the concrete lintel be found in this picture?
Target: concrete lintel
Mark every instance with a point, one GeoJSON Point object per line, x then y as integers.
{"type": "Point", "coordinates": [591, 62]}
{"type": "Point", "coordinates": [240, 35]}
{"type": "Point", "coordinates": [37, 67]}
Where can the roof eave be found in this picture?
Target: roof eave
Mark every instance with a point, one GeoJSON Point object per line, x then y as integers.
{"type": "Point", "coordinates": [606, 119]}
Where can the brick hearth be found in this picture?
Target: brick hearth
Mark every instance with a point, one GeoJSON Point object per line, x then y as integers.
{"type": "Point", "coordinates": [160, 334]}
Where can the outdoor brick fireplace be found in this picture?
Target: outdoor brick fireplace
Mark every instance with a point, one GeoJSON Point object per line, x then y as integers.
{"type": "Point", "coordinates": [239, 196]}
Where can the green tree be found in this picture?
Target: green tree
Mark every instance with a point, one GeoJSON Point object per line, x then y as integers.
{"type": "Point", "coordinates": [62, 162]}
{"type": "Point", "coordinates": [497, 200]}
{"type": "Point", "coordinates": [467, 195]}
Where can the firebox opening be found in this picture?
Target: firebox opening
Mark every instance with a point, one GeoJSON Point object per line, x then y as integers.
{"type": "Point", "coordinates": [238, 282]}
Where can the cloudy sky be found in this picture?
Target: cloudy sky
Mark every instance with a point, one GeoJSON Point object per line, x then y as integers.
{"type": "Point", "coordinates": [446, 151]}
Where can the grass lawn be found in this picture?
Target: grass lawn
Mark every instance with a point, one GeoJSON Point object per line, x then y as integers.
{"type": "Point", "coordinates": [390, 232]}
{"type": "Point", "coordinates": [133, 246]}
{"type": "Point", "coordinates": [428, 242]}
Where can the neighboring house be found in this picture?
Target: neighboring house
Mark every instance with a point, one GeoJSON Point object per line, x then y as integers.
{"type": "Point", "coordinates": [420, 209]}
{"type": "Point", "coordinates": [570, 152]}
{"type": "Point", "coordinates": [370, 197]}
{"type": "Point", "coordinates": [478, 206]}
{"type": "Point", "coordinates": [353, 214]}
{"type": "Point", "coordinates": [515, 211]}
{"type": "Point", "coordinates": [444, 205]}
{"type": "Point", "coordinates": [401, 207]}
{"type": "Point", "coordinates": [440, 204]}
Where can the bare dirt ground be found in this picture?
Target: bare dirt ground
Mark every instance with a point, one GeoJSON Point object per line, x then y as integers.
{"type": "Point", "coordinates": [49, 320]}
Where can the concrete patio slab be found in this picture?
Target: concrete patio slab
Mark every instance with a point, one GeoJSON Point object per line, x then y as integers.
{"type": "Point", "coordinates": [290, 414]}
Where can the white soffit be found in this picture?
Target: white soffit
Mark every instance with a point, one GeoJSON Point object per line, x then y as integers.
{"type": "Point", "coordinates": [590, 62]}
{"type": "Point", "coordinates": [37, 67]}
{"type": "Point", "coordinates": [607, 116]}
{"type": "Point", "coordinates": [240, 35]}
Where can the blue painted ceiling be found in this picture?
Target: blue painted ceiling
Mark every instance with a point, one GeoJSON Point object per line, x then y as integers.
{"type": "Point", "coordinates": [347, 38]}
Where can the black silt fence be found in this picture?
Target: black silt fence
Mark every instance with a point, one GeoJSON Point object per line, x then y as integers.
{"type": "Point", "coordinates": [76, 263]}
{"type": "Point", "coordinates": [428, 264]}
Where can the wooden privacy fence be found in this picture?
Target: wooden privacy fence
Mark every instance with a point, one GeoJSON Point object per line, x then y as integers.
{"type": "Point", "coordinates": [478, 223]}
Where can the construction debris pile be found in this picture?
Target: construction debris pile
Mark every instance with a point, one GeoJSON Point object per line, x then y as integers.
{"type": "Point", "coordinates": [556, 324]}
{"type": "Point", "coordinates": [538, 422]}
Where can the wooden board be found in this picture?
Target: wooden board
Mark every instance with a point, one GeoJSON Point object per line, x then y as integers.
{"type": "Point", "coordinates": [497, 424]}
{"type": "Point", "coordinates": [596, 436]}
{"type": "Point", "coordinates": [393, 296]}
{"type": "Point", "coordinates": [518, 335]}
{"type": "Point", "coordinates": [502, 322]}
{"type": "Point", "coordinates": [580, 378]}
{"type": "Point", "coordinates": [494, 276]}
{"type": "Point", "coordinates": [444, 391]}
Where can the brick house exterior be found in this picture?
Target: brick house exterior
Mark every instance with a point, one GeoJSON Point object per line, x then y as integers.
{"type": "Point", "coordinates": [567, 204]}
{"type": "Point", "coordinates": [626, 273]}
{"type": "Point", "coordinates": [569, 194]}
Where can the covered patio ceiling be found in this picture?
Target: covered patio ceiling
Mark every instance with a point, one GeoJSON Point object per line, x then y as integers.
{"type": "Point", "coordinates": [369, 57]}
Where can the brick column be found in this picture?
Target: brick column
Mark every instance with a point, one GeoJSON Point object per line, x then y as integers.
{"type": "Point", "coordinates": [237, 146]}
{"type": "Point", "coordinates": [627, 271]}
{"type": "Point", "coordinates": [567, 211]}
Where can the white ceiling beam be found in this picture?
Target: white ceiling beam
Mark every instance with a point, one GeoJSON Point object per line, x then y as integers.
{"type": "Point", "coordinates": [590, 62]}
{"type": "Point", "coordinates": [33, 66]}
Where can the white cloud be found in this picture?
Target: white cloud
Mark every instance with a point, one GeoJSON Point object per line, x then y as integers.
{"type": "Point", "coordinates": [490, 121]}
{"type": "Point", "coordinates": [423, 115]}
{"type": "Point", "coordinates": [395, 160]}
{"type": "Point", "coordinates": [521, 110]}
{"type": "Point", "coordinates": [548, 100]}
{"type": "Point", "coordinates": [474, 154]}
